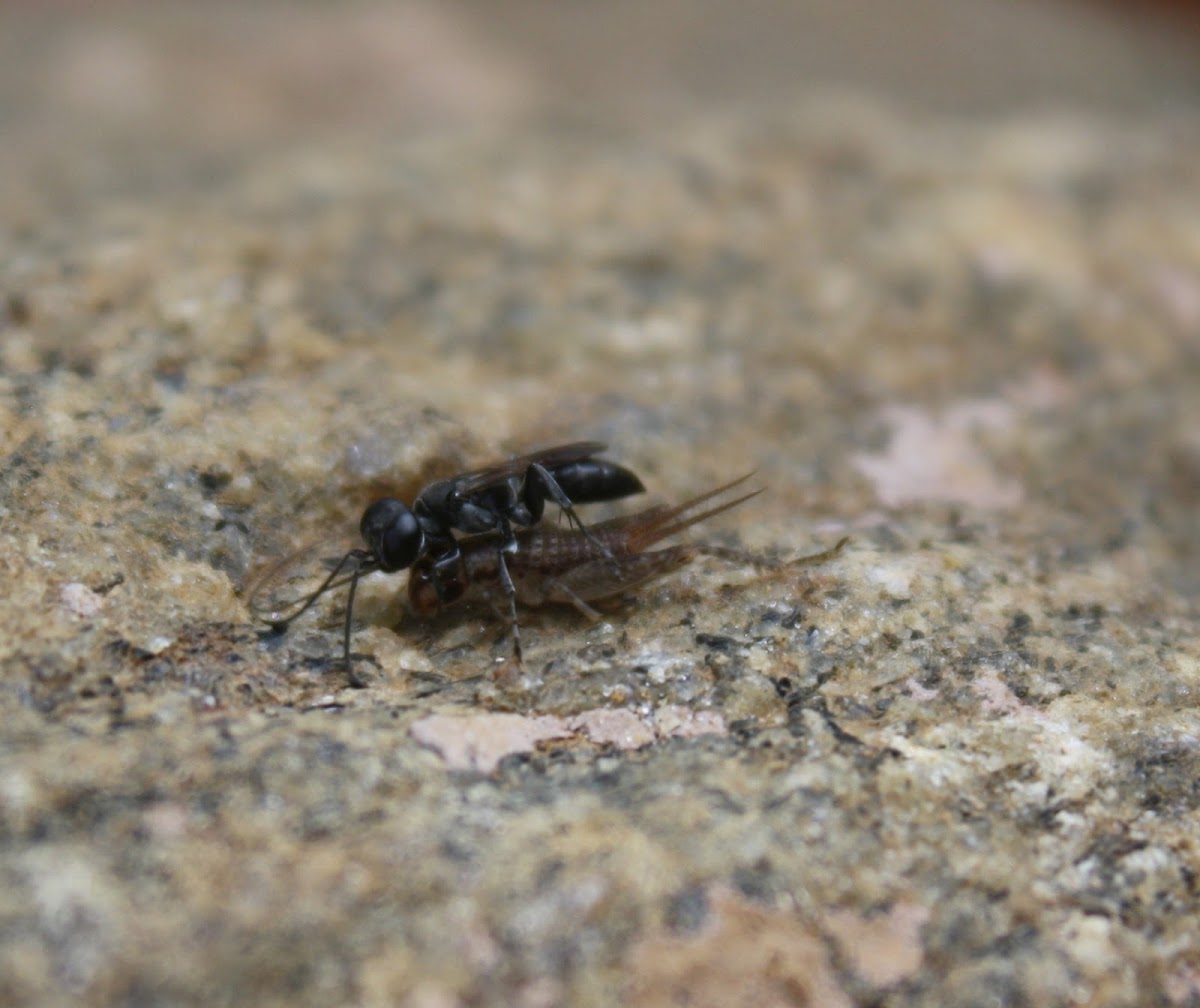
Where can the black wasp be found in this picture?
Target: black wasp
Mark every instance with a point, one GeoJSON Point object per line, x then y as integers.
{"type": "Point", "coordinates": [494, 499]}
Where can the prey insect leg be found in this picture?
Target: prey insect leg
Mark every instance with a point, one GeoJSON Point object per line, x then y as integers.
{"type": "Point", "coordinates": [595, 580]}
{"type": "Point", "coordinates": [737, 556]}
{"type": "Point", "coordinates": [563, 591]}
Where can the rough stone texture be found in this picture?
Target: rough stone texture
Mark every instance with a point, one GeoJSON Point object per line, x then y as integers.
{"type": "Point", "coordinates": [958, 764]}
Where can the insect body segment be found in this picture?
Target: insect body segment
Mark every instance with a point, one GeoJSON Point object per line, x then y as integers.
{"type": "Point", "coordinates": [564, 566]}
{"type": "Point", "coordinates": [491, 500]}
{"type": "Point", "coordinates": [503, 553]}
{"type": "Point", "coordinates": [547, 554]}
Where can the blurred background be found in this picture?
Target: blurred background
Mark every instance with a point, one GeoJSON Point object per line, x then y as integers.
{"type": "Point", "coordinates": [155, 84]}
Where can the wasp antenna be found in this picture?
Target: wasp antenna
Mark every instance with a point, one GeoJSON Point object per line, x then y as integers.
{"type": "Point", "coordinates": [257, 589]}
{"type": "Point", "coordinates": [364, 563]}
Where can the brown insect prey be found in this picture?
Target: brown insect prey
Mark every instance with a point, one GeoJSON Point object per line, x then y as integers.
{"type": "Point", "coordinates": [552, 565]}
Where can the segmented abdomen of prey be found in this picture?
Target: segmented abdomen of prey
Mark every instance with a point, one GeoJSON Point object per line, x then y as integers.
{"type": "Point", "coordinates": [541, 555]}
{"type": "Point", "coordinates": [548, 551]}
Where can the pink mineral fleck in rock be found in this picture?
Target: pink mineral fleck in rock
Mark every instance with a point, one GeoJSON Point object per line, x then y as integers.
{"type": "Point", "coordinates": [677, 721]}
{"type": "Point", "coordinates": [481, 741]}
{"type": "Point", "coordinates": [80, 600]}
{"type": "Point", "coordinates": [618, 727]}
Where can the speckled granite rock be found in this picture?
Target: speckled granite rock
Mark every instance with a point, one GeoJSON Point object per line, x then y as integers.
{"type": "Point", "coordinates": [956, 765]}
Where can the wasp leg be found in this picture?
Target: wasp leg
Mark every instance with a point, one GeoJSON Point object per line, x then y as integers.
{"type": "Point", "coordinates": [448, 563]}
{"type": "Point", "coordinates": [355, 680]}
{"type": "Point", "coordinates": [549, 485]}
{"type": "Point", "coordinates": [510, 590]}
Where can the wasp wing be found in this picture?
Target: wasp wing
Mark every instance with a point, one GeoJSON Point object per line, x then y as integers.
{"type": "Point", "coordinates": [476, 480]}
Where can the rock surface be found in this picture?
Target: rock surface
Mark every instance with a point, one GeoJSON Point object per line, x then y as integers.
{"type": "Point", "coordinates": [957, 764]}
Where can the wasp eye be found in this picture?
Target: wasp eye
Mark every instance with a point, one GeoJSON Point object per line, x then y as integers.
{"type": "Point", "coordinates": [393, 534]}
